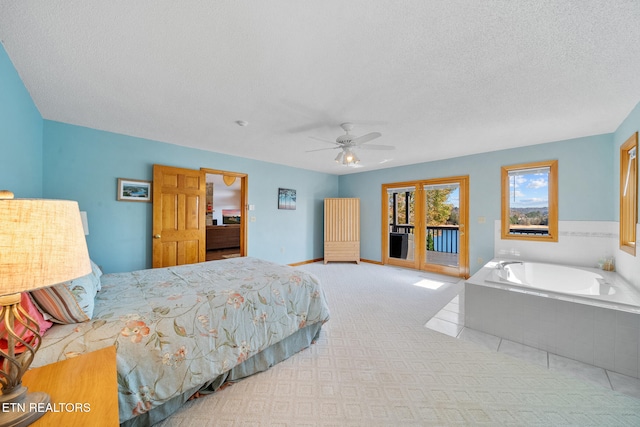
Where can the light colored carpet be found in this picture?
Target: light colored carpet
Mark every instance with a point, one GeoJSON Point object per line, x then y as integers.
{"type": "Point", "coordinates": [377, 365]}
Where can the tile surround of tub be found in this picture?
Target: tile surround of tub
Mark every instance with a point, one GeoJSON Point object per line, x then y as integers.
{"type": "Point", "coordinates": [597, 336]}
{"type": "Point", "coordinates": [580, 243]}
{"type": "Point", "coordinates": [447, 322]}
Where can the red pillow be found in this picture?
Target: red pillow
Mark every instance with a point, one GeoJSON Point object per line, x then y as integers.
{"type": "Point", "coordinates": [28, 306]}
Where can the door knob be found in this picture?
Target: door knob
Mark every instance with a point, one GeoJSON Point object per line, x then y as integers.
{"type": "Point", "coordinates": [156, 236]}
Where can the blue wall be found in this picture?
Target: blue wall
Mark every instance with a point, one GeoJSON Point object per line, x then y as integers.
{"type": "Point", "coordinates": [585, 193]}
{"type": "Point", "coordinates": [84, 164]}
{"type": "Point", "coordinates": [20, 134]}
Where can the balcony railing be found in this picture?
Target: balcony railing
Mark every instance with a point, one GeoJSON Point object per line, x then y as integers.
{"type": "Point", "coordinates": [442, 238]}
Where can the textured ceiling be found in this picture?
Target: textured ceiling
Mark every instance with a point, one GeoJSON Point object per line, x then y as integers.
{"type": "Point", "coordinates": [438, 79]}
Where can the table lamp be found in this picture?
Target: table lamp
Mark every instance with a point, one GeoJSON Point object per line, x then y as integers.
{"type": "Point", "coordinates": [42, 243]}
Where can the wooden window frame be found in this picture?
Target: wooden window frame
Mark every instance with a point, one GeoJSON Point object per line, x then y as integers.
{"type": "Point", "coordinates": [552, 235]}
{"type": "Point", "coordinates": [628, 201]}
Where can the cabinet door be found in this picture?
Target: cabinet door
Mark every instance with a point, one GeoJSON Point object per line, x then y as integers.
{"type": "Point", "coordinates": [342, 220]}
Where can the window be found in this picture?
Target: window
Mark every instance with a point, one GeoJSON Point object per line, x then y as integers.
{"type": "Point", "coordinates": [629, 194]}
{"type": "Point", "coordinates": [530, 201]}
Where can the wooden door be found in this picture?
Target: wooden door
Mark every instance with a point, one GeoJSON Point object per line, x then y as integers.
{"type": "Point", "coordinates": [400, 224]}
{"type": "Point", "coordinates": [445, 243]}
{"type": "Point", "coordinates": [179, 232]}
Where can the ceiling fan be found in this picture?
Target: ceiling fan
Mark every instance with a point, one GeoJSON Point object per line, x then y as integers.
{"type": "Point", "coordinates": [347, 142]}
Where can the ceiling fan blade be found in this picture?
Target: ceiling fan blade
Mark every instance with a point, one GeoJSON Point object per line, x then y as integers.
{"type": "Point", "coordinates": [365, 138]}
{"type": "Point", "coordinates": [321, 149]}
{"type": "Point", "coordinates": [323, 140]}
{"type": "Point", "coordinates": [377, 147]}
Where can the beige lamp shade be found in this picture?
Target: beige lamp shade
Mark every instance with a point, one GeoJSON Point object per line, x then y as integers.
{"type": "Point", "coordinates": [42, 243]}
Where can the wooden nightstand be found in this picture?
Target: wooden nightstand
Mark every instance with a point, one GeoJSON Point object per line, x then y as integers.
{"type": "Point", "coordinates": [83, 390]}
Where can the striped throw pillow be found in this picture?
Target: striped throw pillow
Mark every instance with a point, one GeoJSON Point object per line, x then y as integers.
{"type": "Point", "coordinates": [68, 302]}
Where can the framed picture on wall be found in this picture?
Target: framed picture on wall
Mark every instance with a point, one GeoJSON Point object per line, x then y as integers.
{"type": "Point", "coordinates": [133, 190]}
{"type": "Point", "coordinates": [286, 198]}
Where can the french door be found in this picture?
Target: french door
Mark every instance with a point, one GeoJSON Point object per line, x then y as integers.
{"type": "Point", "coordinates": [424, 225]}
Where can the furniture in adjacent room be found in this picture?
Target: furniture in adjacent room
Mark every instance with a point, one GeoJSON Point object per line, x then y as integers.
{"type": "Point", "coordinates": [223, 236]}
{"type": "Point", "coordinates": [342, 229]}
{"type": "Point", "coordinates": [83, 390]}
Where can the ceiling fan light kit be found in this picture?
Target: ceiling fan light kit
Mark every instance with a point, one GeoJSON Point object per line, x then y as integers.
{"type": "Point", "coordinates": [350, 157]}
{"type": "Point", "coordinates": [348, 142]}
{"type": "Point", "coordinates": [347, 157]}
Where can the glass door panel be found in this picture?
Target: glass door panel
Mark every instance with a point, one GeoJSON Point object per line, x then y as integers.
{"type": "Point", "coordinates": [401, 223]}
{"type": "Point", "coordinates": [442, 220]}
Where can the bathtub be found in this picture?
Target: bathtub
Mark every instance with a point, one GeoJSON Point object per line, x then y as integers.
{"type": "Point", "coordinates": [576, 284]}
{"type": "Point", "coordinates": [585, 314]}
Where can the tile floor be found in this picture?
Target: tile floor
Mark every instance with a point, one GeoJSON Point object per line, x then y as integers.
{"type": "Point", "coordinates": [450, 321]}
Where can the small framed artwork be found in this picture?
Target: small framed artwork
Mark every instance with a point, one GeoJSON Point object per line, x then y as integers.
{"type": "Point", "coordinates": [286, 198]}
{"type": "Point", "coordinates": [133, 190]}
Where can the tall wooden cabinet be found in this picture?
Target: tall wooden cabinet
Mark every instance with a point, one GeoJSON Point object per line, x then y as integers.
{"type": "Point", "coordinates": [342, 229]}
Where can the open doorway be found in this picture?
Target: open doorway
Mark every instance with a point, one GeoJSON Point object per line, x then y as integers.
{"type": "Point", "coordinates": [225, 214]}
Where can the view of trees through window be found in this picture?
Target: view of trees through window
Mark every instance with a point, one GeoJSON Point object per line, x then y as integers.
{"type": "Point", "coordinates": [442, 203]}
{"type": "Point", "coordinates": [404, 207]}
{"type": "Point", "coordinates": [442, 206]}
{"type": "Point", "coordinates": [529, 199]}
{"type": "Point", "coordinates": [529, 206]}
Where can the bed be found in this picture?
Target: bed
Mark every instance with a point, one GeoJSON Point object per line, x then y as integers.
{"type": "Point", "coordinates": [188, 329]}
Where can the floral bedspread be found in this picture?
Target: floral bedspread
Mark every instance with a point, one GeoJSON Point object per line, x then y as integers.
{"type": "Point", "coordinates": [176, 328]}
